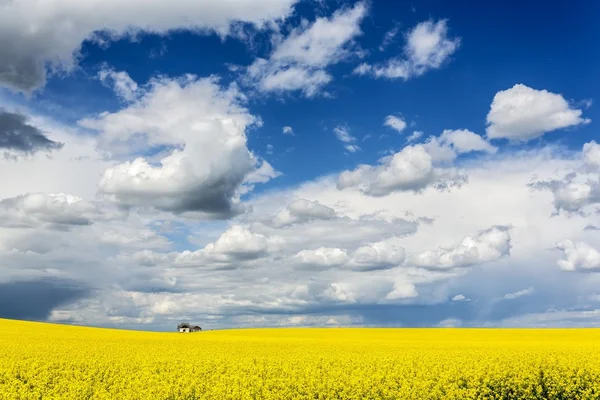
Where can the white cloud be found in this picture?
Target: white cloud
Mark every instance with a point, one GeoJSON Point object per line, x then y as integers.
{"type": "Point", "coordinates": [278, 79]}
{"type": "Point", "coordinates": [323, 257]}
{"type": "Point", "coordinates": [231, 249]}
{"type": "Point", "coordinates": [520, 293]}
{"type": "Point", "coordinates": [521, 114]}
{"type": "Point", "coordinates": [239, 242]}
{"type": "Point", "coordinates": [578, 256]}
{"type": "Point", "coordinates": [363, 69]}
{"type": "Point", "coordinates": [307, 209]}
{"type": "Point", "coordinates": [246, 274]}
{"type": "Point", "coordinates": [389, 37]}
{"type": "Point", "coordinates": [489, 245]}
{"type": "Point", "coordinates": [441, 153]}
{"type": "Point", "coordinates": [414, 136]}
{"type": "Point", "coordinates": [386, 253]}
{"type": "Point", "coordinates": [571, 196]}
{"type": "Point", "coordinates": [374, 256]}
{"type": "Point", "coordinates": [38, 35]}
{"type": "Point", "coordinates": [411, 169]}
{"type": "Point", "coordinates": [302, 210]}
{"type": "Point", "coordinates": [263, 174]}
{"type": "Point", "coordinates": [450, 323]}
{"type": "Point", "coordinates": [352, 148]}
{"type": "Point", "coordinates": [451, 143]}
{"type": "Point", "coordinates": [125, 87]}
{"type": "Point", "coordinates": [333, 230]}
{"type": "Point", "coordinates": [74, 169]}
{"type": "Point", "coordinates": [251, 277]}
{"type": "Point", "coordinates": [427, 47]}
{"type": "Point", "coordinates": [591, 154]}
{"type": "Point", "coordinates": [54, 209]}
{"type": "Point", "coordinates": [323, 42]}
{"type": "Point", "coordinates": [299, 61]}
{"type": "Point", "coordinates": [460, 297]}
{"type": "Point", "coordinates": [465, 141]}
{"type": "Point", "coordinates": [395, 123]}
{"type": "Point", "coordinates": [402, 290]}
{"type": "Point", "coordinates": [343, 134]}
{"type": "Point", "coordinates": [204, 128]}
{"type": "Point", "coordinates": [579, 188]}
{"type": "Point", "coordinates": [287, 130]}
{"type": "Point", "coordinates": [132, 237]}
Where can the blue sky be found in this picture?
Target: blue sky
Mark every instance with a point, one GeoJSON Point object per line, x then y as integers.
{"type": "Point", "coordinates": [300, 162]}
{"type": "Point", "coordinates": [542, 48]}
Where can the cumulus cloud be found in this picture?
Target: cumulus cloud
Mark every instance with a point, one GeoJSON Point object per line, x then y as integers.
{"type": "Point", "coordinates": [571, 195]}
{"type": "Point", "coordinates": [383, 254]}
{"type": "Point", "coordinates": [40, 36]}
{"type": "Point", "coordinates": [204, 128]}
{"type": "Point", "coordinates": [489, 245]}
{"type": "Point", "coordinates": [253, 286]}
{"type": "Point", "coordinates": [17, 136]}
{"type": "Point", "coordinates": [299, 62]}
{"type": "Point", "coordinates": [427, 47]}
{"type": "Point", "coordinates": [579, 188]}
{"type": "Point", "coordinates": [287, 130]}
{"type": "Point", "coordinates": [465, 141]}
{"type": "Point", "coordinates": [231, 250]}
{"type": "Point", "coordinates": [322, 257]}
{"type": "Point", "coordinates": [47, 209]}
{"type": "Point", "coordinates": [238, 243]}
{"type": "Point", "coordinates": [578, 256]}
{"type": "Point", "coordinates": [410, 169]}
{"type": "Point", "coordinates": [302, 210]}
{"type": "Point", "coordinates": [522, 113]}
{"type": "Point", "coordinates": [130, 236]}
{"type": "Point", "coordinates": [460, 297]}
{"type": "Point", "coordinates": [246, 274]}
{"type": "Point", "coordinates": [451, 143]}
{"type": "Point", "coordinates": [369, 257]}
{"type": "Point", "coordinates": [333, 230]}
{"type": "Point", "coordinates": [402, 290]}
{"type": "Point", "coordinates": [591, 154]}
{"type": "Point", "coordinates": [262, 174]}
{"type": "Point", "coordinates": [395, 123]}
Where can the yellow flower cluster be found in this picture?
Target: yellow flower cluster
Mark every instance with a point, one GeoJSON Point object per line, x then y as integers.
{"type": "Point", "coordinates": [46, 361]}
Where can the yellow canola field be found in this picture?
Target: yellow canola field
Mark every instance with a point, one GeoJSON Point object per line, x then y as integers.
{"type": "Point", "coordinates": [46, 361]}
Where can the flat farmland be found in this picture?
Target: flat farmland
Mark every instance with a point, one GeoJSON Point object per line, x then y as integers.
{"type": "Point", "coordinates": [47, 361]}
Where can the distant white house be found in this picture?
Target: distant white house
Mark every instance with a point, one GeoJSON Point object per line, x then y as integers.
{"type": "Point", "coordinates": [184, 327]}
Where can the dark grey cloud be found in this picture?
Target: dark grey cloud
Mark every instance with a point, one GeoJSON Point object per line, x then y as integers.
{"type": "Point", "coordinates": [35, 299]}
{"type": "Point", "coordinates": [19, 72]}
{"type": "Point", "coordinates": [213, 199]}
{"type": "Point", "coordinates": [17, 135]}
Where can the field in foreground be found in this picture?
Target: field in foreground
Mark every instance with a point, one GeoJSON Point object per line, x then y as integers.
{"type": "Point", "coordinates": [64, 362]}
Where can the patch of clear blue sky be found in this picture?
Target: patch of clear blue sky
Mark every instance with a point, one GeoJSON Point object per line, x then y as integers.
{"type": "Point", "coordinates": [550, 45]}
